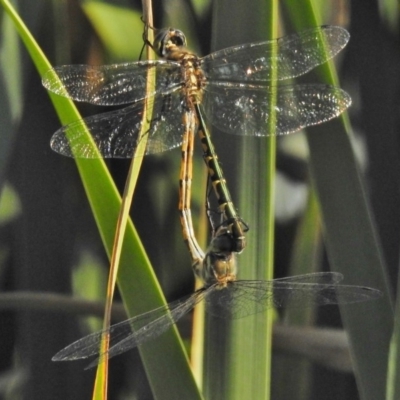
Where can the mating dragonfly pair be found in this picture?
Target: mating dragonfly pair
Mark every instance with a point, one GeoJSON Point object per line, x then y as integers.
{"type": "Point", "coordinates": [234, 90]}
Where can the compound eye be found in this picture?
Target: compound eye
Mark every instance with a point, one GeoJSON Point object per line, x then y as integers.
{"type": "Point", "coordinates": [160, 40]}
{"type": "Point", "coordinates": [178, 38]}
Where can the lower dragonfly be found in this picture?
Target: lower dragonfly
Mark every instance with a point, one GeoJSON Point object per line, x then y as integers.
{"type": "Point", "coordinates": [225, 297]}
{"type": "Point", "coordinates": [233, 89]}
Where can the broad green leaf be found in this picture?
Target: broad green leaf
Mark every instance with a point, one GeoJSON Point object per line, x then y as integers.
{"type": "Point", "coordinates": [117, 28]}
{"type": "Point", "coordinates": [240, 353]}
{"type": "Point", "coordinates": [349, 231]}
{"type": "Point", "coordinates": [10, 205]}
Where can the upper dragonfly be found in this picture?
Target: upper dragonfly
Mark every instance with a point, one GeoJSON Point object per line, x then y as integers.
{"type": "Point", "coordinates": [231, 88]}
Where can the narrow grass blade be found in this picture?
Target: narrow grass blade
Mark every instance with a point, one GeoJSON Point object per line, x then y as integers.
{"type": "Point", "coordinates": [100, 389]}
{"type": "Point", "coordinates": [393, 375]}
{"type": "Point", "coordinates": [297, 373]}
{"type": "Point", "coordinates": [10, 90]}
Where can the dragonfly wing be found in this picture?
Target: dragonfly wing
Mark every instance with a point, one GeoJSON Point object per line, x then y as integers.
{"type": "Point", "coordinates": [244, 109]}
{"type": "Point", "coordinates": [130, 333]}
{"type": "Point", "coordinates": [242, 298]}
{"type": "Point", "coordinates": [293, 55]}
{"type": "Point", "coordinates": [160, 323]}
{"type": "Point", "coordinates": [115, 134]}
{"type": "Point", "coordinates": [111, 85]}
{"type": "Point", "coordinates": [294, 294]}
{"type": "Point", "coordinates": [316, 277]}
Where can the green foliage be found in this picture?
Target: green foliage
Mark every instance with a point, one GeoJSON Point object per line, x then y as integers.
{"type": "Point", "coordinates": [237, 357]}
{"type": "Point", "coordinates": [10, 206]}
{"type": "Point", "coordinates": [115, 27]}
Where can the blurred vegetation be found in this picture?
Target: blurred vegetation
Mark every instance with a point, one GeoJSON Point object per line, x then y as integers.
{"type": "Point", "coordinates": [49, 239]}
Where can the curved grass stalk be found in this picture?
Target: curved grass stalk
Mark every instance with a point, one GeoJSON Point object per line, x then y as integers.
{"type": "Point", "coordinates": [101, 383]}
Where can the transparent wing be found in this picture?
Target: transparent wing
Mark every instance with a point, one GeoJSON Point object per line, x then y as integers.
{"type": "Point", "coordinates": [244, 109]}
{"type": "Point", "coordinates": [115, 134]}
{"type": "Point", "coordinates": [293, 55]}
{"type": "Point", "coordinates": [132, 332]}
{"type": "Point", "coordinates": [111, 85]}
{"type": "Point", "coordinates": [243, 298]}
{"type": "Point", "coordinates": [324, 278]}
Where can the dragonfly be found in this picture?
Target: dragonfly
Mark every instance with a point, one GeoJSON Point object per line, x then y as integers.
{"type": "Point", "coordinates": [230, 89]}
{"type": "Point", "coordinates": [225, 297]}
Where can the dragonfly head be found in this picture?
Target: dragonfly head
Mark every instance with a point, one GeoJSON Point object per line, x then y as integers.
{"type": "Point", "coordinates": [219, 264]}
{"type": "Point", "coordinates": [168, 40]}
